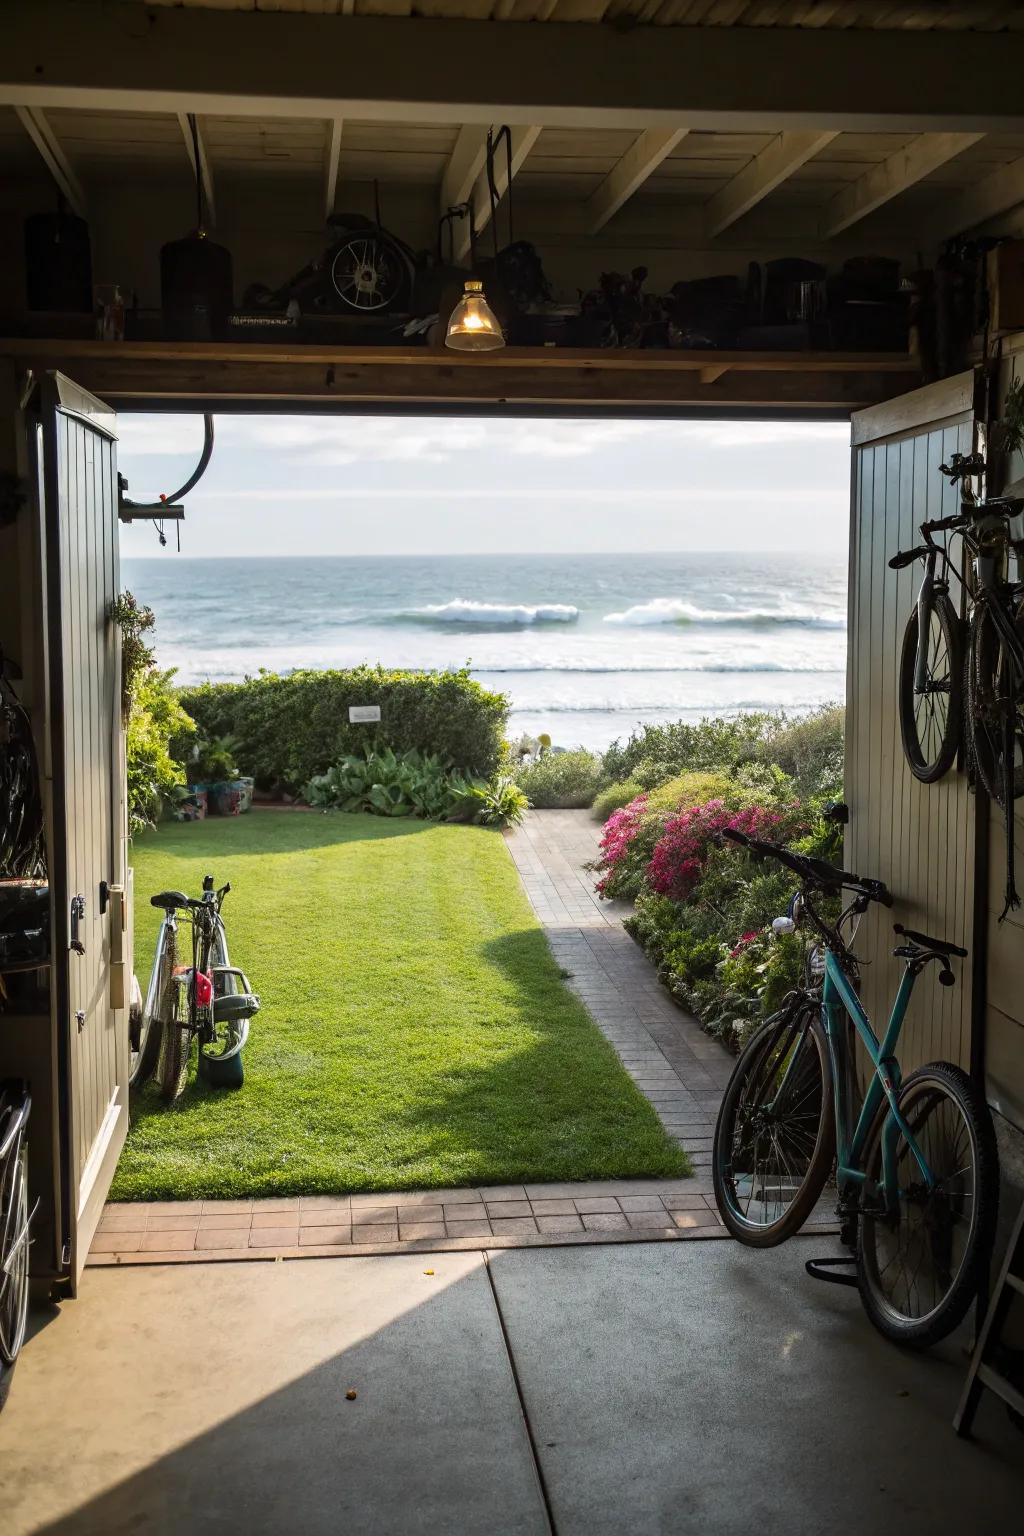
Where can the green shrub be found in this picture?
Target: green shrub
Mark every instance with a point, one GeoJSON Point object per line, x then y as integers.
{"type": "Point", "coordinates": [561, 780]}
{"type": "Point", "coordinates": [810, 750]}
{"type": "Point", "coordinates": [287, 730]}
{"type": "Point", "coordinates": [695, 788]}
{"type": "Point", "coordinates": [501, 803]}
{"type": "Point", "coordinates": [154, 717]}
{"type": "Point", "coordinates": [614, 797]}
{"type": "Point", "coordinates": [658, 752]}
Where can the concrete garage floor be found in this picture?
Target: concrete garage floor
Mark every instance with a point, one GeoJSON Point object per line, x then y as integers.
{"type": "Point", "coordinates": [667, 1388]}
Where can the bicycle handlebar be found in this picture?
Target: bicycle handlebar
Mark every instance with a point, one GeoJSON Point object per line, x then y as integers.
{"type": "Point", "coordinates": [813, 871]}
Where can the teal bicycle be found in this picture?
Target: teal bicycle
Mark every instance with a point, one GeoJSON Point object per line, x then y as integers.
{"type": "Point", "coordinates": [915, 1161]}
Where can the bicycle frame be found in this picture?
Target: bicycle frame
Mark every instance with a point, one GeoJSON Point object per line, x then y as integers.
{"type": "Point", "coordinates": [839, 1003]}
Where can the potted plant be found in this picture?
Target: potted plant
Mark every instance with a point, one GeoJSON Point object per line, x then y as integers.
{"type": "Point", "coordinates": [212, 770]}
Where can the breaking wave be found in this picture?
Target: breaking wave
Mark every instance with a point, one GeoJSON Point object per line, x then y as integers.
{"type": "Point", "coordinates": [671, 610]}
{"type": "Point", "coordinates": [488, 615]}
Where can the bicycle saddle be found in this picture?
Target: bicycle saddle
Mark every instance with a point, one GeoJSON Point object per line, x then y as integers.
{"type": "Point", "coordinates": [939, 946]}
{"type": "Point", "coordinates": [171, 901]}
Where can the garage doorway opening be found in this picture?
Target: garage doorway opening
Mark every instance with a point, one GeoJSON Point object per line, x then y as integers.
{"type": "Point", "coordinates": [604, 574]}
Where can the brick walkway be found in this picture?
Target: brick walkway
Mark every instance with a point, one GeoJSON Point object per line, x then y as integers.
{"type": "Point", "coordinates": [680, 1068]}
{"type": "Point", "coordinates": [675, 1064]}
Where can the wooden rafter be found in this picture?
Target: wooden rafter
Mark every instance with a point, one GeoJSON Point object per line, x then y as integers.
{"type": "Point", "coordinates": [37, 126]}
{"type": "Point", "coordinates": [332, 158]}
{"type": "Point", "coordinates": [642, 158]}
{"type": "Point", "coordinates": [523, 140]}
{"type": "Point", "coordinates": [786, 153]}
{"type": "Point", "coordinates": [201, 170]}
{"type": "Point", "coordinates": [465, 163]}
{"type": "Point", "coordinates": [883, 182]}
{"type": "Point", "coordinates": [986, 199]}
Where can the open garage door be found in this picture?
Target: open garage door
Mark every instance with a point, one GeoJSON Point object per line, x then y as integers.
{"type": "Point", "coordinates": [87, 830]}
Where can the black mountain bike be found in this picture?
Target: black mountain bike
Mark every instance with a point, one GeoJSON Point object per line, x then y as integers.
{"type": "Point", "coordinates": [962, 679]}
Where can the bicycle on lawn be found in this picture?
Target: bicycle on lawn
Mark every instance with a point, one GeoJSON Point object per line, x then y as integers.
{"type": "Point", "coordinates": [208, 1001]}
{"type": "Point", "coordinates": [958, 678]}
{"type": "Point", "coordinates": [915, 1158]}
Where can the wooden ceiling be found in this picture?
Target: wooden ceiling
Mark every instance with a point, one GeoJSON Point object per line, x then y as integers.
{"type": "Point", "coordinates": [883, 15]}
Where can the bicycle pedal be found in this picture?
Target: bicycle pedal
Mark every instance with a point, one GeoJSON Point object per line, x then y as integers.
{"type": "Point", "coordinates": [818, 1269]}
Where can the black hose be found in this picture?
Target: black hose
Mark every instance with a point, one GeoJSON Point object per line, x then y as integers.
{"type": "Point", "coordinates": [193, 479]}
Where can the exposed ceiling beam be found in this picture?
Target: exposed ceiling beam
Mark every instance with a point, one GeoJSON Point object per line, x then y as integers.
{"type": "Point", "coordinates": [523, 140]}
{"type": "Point", "coordinates": [986, 199]}
{"type": "Point", "coordinates": [332, 157]}
{"type": "Point", "coordinates": [201, 168]}
{"type": "Point", "coordinates": [642, 157]}
{"type": "Point", "coordinates": [768, 170]}
{"type": "Point", "coordinates": [35, 124]}
{"type": "Point", "coordinates": [891, 177]}
{"type": "Point", "coordinates": [465, 163]}
{"type": "Point", "coordinates": [124, 57]}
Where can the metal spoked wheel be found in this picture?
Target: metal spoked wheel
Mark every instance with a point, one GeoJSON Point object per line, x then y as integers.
{"type": "Point", "coordinates": [918, 1267]}
{"type": "Point", "coordinates": [368, 274]}
{"type": "Point", "coordinates": [220, 1060]}
{"type": "Point", "coordinates": [930, 720]}
{"type": "Point", "coordinates": [993, 688]}
{"type": "Point", "coordinates": [775, 1136]}
{"type": "Point", "coordinates": [14, 1247]}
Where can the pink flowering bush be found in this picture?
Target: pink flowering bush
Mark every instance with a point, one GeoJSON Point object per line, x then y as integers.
{"type": "Point", "coordinates": [681, 854]}
{"type": "Point", "coordinates": [620, 833]}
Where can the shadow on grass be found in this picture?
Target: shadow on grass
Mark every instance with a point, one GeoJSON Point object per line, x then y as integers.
{"type": "Point", "coordinates": [561, 1108]}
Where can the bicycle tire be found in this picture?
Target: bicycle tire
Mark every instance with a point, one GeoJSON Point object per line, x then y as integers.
{"type": "Point", "coordinates": [931, 736]}
{"type": "Point", "coordinates": [143, 1063]}
{"type": "Point", "coordinates": [175, 1041]}
{"type": "Point", "coordinates": [983, 668]}
{"type": "Point", "coordinates": [923, 1236]}
{"type": "Point", "coordinates": [14, 1287]}
{"type": "Point", "coordinates": [812, 1129]}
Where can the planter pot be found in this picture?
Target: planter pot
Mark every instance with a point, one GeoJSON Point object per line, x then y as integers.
{"type": "Point", "coordinates": [225, 799]}
{"type": "Point", "coordinates": [192, 805]}
{"type": "Point", "coordinates": [247, 787]}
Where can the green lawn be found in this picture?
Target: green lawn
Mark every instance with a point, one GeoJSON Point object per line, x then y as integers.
{"type": "Point", "coordinates": [415, 1030]}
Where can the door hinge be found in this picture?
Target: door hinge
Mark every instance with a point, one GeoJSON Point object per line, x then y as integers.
{"type": "Point", "coordinates": [80, 1019]}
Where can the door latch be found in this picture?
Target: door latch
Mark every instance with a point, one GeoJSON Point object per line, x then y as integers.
{"type": "Point", "coordinates": [77, 918]}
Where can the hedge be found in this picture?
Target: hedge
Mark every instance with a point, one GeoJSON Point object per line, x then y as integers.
{"type": "Point", "coordinates": [284, 730]}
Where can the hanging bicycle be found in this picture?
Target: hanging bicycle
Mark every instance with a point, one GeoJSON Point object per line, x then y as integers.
{"type": "Point", "coordinates": [966, 678]}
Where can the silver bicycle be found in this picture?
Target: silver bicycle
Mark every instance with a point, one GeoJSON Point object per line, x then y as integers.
{"type": "Point", "coordinates": [202, 997]}
{"type": "Point", "coordinates": [15, 1216]}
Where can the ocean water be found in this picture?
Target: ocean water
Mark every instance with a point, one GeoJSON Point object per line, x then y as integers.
{"type": "Point", "coordinates": [586, 646]}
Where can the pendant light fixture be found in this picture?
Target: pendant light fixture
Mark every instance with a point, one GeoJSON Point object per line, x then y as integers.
{"type": "Point", "coordinates": [473, 326]}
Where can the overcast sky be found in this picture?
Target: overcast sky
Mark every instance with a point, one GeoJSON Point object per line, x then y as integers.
{"type": "Point", "coordinates": [302, 485]}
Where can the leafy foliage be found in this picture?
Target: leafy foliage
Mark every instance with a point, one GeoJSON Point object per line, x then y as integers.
{"type": "Point", "coordinates": [704, 909]}
{"type": "Point", "coordinates": [288, 730]}
{"type": "Point", "coordinates": [211, 761]}
{"type": "Point", "coordinates": [561, 780]}
{"type": "Point", "coordinates": [413, 783]}
{"type": "Point", "coordinates": [614, 796]}
{"type": "Point", "coordinates": [154, 717]}
{"type": "Point", "coordinates": [133, 619]}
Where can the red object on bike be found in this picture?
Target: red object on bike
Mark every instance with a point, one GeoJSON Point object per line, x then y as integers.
{"type": "Point", "coordinates": [204, 990]}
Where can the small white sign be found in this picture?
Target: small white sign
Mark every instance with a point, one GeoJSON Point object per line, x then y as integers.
{"type": "Point", "coordinates": [363, 714]}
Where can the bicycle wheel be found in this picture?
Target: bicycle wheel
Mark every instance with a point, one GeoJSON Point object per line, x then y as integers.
{"type": "Point", "coordinates": [775, 1134]}
{"type": "Point", "coordinates": [175, 1038]}
{"type": "Point", "coordinates": [13, 1265]}
{"type": "Point", "coordinates": [918, 1270]}
{"type": "Point", "coordinates": [989, 670]}
{"type": "Point", "coordinates": [930, 722]}
{"type": "Point", "coordinates": [147, 1030]}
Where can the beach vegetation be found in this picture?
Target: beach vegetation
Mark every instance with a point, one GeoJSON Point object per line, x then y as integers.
{"type": "Point", "coordinates": [702, 908]}
{"type": "Point", "coordinates": [561, 780]}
